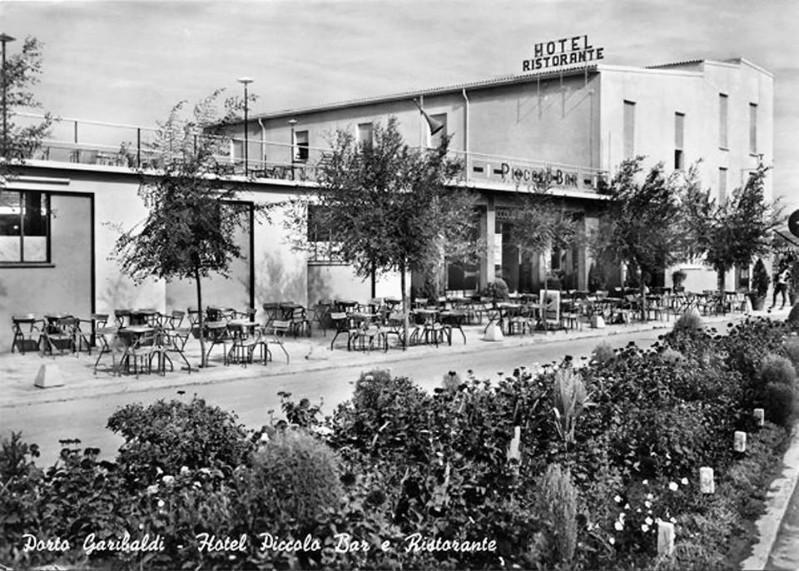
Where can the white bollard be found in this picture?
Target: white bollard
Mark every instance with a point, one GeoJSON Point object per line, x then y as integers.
{"type": "Point", "coordinates": [49, 376]}
{"type": "Point", "coordinates": [513, 450]}
{"type": "Point", "coordinates": [597, 322]}
{"type": "Point", "coordinates": [665, 537]}
{"type": "Point", "coordinates": [707, 484]}
{"type": "Point", "coordinates": [493, 333]}
{"type": "Point", "coordinates": [760, 416]}
{"type": "Point", "coordinates": [740, 441]}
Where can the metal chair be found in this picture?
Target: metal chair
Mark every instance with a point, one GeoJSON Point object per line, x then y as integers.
{"type": "Point", "coordinates": [27, 331]}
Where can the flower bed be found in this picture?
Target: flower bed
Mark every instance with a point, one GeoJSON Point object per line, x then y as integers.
{"type": "Point", "coordinates": [562, 467]}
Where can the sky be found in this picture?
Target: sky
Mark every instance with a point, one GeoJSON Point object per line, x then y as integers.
{"type": "Point", "coordinates": [129, 62]}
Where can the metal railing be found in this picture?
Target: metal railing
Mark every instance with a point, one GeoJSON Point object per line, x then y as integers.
{"type": "Point", "coordinates": [133, 147]}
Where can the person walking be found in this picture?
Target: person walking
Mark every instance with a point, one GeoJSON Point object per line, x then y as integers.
{"type": "Point", "coordinates": [780, 287]}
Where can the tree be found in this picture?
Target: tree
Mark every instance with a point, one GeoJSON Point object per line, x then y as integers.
{"type": "Point", "coordinates": [20, 73]}
{"type": "Point", "coordinates": [643, 225]}
{"type": "Point", "coordinates": [386, 207]}
{"type": "Point", "coordinates": [540, 226]}
{"type": "Point", "coordinates": [189, 232]}
{"type": "Point", "coordinates": [733, 232]}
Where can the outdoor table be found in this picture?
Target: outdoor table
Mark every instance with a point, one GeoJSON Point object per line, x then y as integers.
{"type": "Point", "coordinates": [429, 325]}
{"type": "Point", "coordinates": [346, 305]}
{"type": "Point", "coordinates": [244, 341]}
{"type": "Point", "coordinates": [130, 337]}
{"type": "Point", "coordinates": [505, 312]}
{"type": "Point", "coordinates": [272, 310]}
{"type": "Point", "coordinates": [453, 319]}
{"type": "Point", "coordinates": [142, 316]}
{"type": "Point", "coordinates": [122, 317]}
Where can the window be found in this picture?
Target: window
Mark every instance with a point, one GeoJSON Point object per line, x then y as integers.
{"type": "Point", "coordinates": [301, 147]}
{"type": "Point", "coordinates": [679, 126]}
{"type": "Point", "coordinates": [437, 121]}
{"type": "Point", "coordinates": [24, 226]}
{"type": "Point", "coordinates": [365, 134]}
{"type": "Point", "coordinates": [629, 129]}
{"type": "Point", "coordinates": [752, 129]}
{"type": "Point", "coordinates": [722, 185]}
{"type": "Point", "coordinates": [723, 100]}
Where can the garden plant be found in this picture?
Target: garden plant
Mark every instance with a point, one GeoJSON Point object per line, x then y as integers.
{"type": "Point", "coordinates": [556, 467]}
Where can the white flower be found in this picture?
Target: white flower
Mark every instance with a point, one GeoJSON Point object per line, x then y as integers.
{"type": "Point", "coordinates": [638, 510]}
{"type": "Point", "coordinates": [168, 480]}
{"type": "Point", "coordinates": [648, 521]}
{"type": "Point", "coordinates": [650, 496]}
{"type": "Point", "coordinates": [672, 520]}
{"type": "Point", "coordinates": [621, 517]}
{"type": "Point", "coordinates": [648, 504]}
{"type": "Point", "coordinates": [205, 471]}
{"type": "Point", "coordinates": [644, 527]}
{"type": "Point", "coordinates": [645, 482]}
{"type": "Point", "coordinates": [617, 499]}
{"type": "Point", "coordinates": [196, 484]}
{"type": "Point", "coordinates": [684, 481]}
{"type": "Point", "coordinates": [626, 506]}
{"type": "Point", "coordinates": [264, 437]}
{"type": "Point", "coordinates": [673, 486]}
{"type": "Point", "coordinates": [152, 489]}
{"type": "Point", "coordinates": [612, 541]}
{"type": "Point", "coordinates": [618, 525]}
{"type": "Point", "coordinates": [184, 471]}
{"type": "Point", "coordinates": [161, 503]}
{"type": "Point", "coordinates": [158, 471]}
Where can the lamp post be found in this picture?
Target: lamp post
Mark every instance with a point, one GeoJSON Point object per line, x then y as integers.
{"type": "Point", "coordinates": [246, 81]}
{"type": "Point", "coordinates": [292, 122]}
{"type": "Point", "coordinates": [4, 39]}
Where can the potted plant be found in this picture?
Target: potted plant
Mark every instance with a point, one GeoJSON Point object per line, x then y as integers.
{"type": "Point", "coordinates": [760, 282]}
{"type": "Point", "coordinates": [677, 279]}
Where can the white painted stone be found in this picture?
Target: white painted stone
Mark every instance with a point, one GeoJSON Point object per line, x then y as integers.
{"type": "Point", "coordinates": [760, 416]}
{"type": "Point", "coordinates": [513, 450]}
{"type": "Point", "coordinates": [597, 322]}
{"type": "Point", "coordinates": [665, 537]}
{"type": "Point", "coordinates": [493, 333]}
{"type": "Point", "coordinates": [740, 441]}
{"type": "Point", "coordinates": [707, 485]}
{"type": "Point", "coordinates": [49, 376]}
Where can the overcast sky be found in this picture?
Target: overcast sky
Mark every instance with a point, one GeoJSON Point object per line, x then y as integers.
{"type": "Point", "coordinates": [129, 62]}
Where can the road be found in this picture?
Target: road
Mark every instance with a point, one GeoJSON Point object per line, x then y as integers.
{"type": "Point", "coordinates": [251, 399]}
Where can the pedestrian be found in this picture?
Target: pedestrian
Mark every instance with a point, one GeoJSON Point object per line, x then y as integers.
{"type": "Point", "coordinates": [780, 286]}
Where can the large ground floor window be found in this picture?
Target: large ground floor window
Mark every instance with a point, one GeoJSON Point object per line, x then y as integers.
{"type": "Point", "coordinates": [24, 227]}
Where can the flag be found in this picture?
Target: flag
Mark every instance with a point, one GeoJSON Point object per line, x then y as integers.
{"type": "Point", "coordinates": [434, 124]}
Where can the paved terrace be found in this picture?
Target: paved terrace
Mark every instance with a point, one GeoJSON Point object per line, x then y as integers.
{"type": "Point", "coordinates": [306, 354]}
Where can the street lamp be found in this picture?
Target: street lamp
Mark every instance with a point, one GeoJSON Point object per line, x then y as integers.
{"type": "Point", "coordinates": [292, 122]}
{"type": "Point", "coordinates": [246, 81]}
{"type": "Point", "coordinates": [4, 39]}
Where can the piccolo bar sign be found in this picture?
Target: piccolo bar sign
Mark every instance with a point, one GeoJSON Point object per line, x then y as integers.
{"type": "Point", "coordinates": [562, 53]}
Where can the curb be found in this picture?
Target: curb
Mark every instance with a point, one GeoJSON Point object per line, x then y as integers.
{"type": "Point", "coordinates": [777, 501]}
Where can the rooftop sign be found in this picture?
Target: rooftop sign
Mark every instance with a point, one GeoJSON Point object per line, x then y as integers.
{"type": "Point", "coordinates": [562, 53]}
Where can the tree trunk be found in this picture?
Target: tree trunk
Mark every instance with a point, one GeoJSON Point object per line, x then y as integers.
{"type": "Point", "coordinates": [374, 281]}
{"type": "Point", "coordinates": [200, 320]}
{"type": "Point", "coordinates": [405, 309]}
{"type": "Point", "coordinates": [721, 276]}
{"type": "Point", "coordinates": [643, 294]}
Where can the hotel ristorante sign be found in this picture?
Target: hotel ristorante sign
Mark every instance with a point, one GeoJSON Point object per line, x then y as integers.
{"type": "Point", "coordinates": [562, 53]}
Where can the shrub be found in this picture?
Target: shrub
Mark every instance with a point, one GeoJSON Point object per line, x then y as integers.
{"type": "Point", "coordinates": [793, 316]}
{"type": "Point", "coordinates": [671, 356]}
{"type": "Point", "coordinates": [776, 369]}
{"type": "Point", "coordinates": [293, 479]}
{"type": "Point", "coordinates": [760, 279]}
{"type": "Point", "coordinates": [559, 502]}
{"type": "Point", "coordinates": [688, 322]}
{"type": "Point", "coordinates": [166, 436]}
{"type": "Point", "coordinates": [791, 349]}
{"type": "Point", "coordinates": [603, 354]}
{"type": "Point", "coordinates": [779, 401]}
{"type": "Point", "coordinates": [569, 399]}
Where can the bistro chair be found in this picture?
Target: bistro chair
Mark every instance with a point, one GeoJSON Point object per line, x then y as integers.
{"type": "Point", "coordinates": [343, 324]}
{"type": "Point", "coordinates": [60, 335]}
{"type": "Point", "coordinates": [88, 337]}
{"type": "Point", "coordinates": [27, 332]}
{"type": "Point", "coordinates": [274, 331]}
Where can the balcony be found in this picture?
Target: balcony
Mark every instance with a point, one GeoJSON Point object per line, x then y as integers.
{"type": "Point", "coordinates": [132, 148]}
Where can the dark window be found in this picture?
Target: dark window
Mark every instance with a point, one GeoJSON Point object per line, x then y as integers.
{"type": "Point", "coordinates": [24, 226]}
{"type": "Point", "coordinates": [301, 147]}
{"type": "Point", "coordinates": [629, 129]}
{"type": "Point", "coordinates": [679, 136]}
{"type": "Point", "coordinates": [722, 185]}
{"type": "Point", "coordinates": [752, 129]}
{"type": "Point", "coordinates": [365, 134]}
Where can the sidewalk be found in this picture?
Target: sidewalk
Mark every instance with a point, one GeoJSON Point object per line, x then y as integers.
{"type": "Point", "coordinates": [306, 354]}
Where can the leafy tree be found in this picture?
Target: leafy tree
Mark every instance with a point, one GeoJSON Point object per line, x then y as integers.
{"type": "Point", "coordinates": [20, 74]}
{"type": "Point", "coordinates": [386, 207]}
{"type": "Point", "coordinates": [540, 225]}
{"type": "Point", "coordinates": [733, 232]}
{"type": "Point", "coordinates": [190, 230]}
{"type": "Point", "coordinates": [643, 225]}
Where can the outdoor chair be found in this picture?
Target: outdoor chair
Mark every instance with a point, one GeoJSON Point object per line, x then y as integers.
{"type": "Point", "coordinates": [110, 344]}
{"type": "Point", "coordinates": [141, 352]}
{"type": "Point", "coordinates": [60, 336]}
{"type": "Point", "coordinates": [27, 332]}
{"type": "Point", "coordinates": [173, 341]}
{"type": "Point", "coordinates": [342, 323]}
{"type": "Point", "coordinates": [273, 332]}
{"type": "Point", "coordinates": [321, 315]}
{"type": "Point", "coordinates": [87, 335]}
{"type": "Point", "coordinates": [299, 324]}
{"type": "Point", "coordinates": [172, 320]}
{"type": "Point", "coordinates": [454, 320]}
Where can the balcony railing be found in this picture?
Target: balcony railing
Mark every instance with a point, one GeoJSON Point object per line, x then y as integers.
{"type": "Point", "coordinates": [132, 147]}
